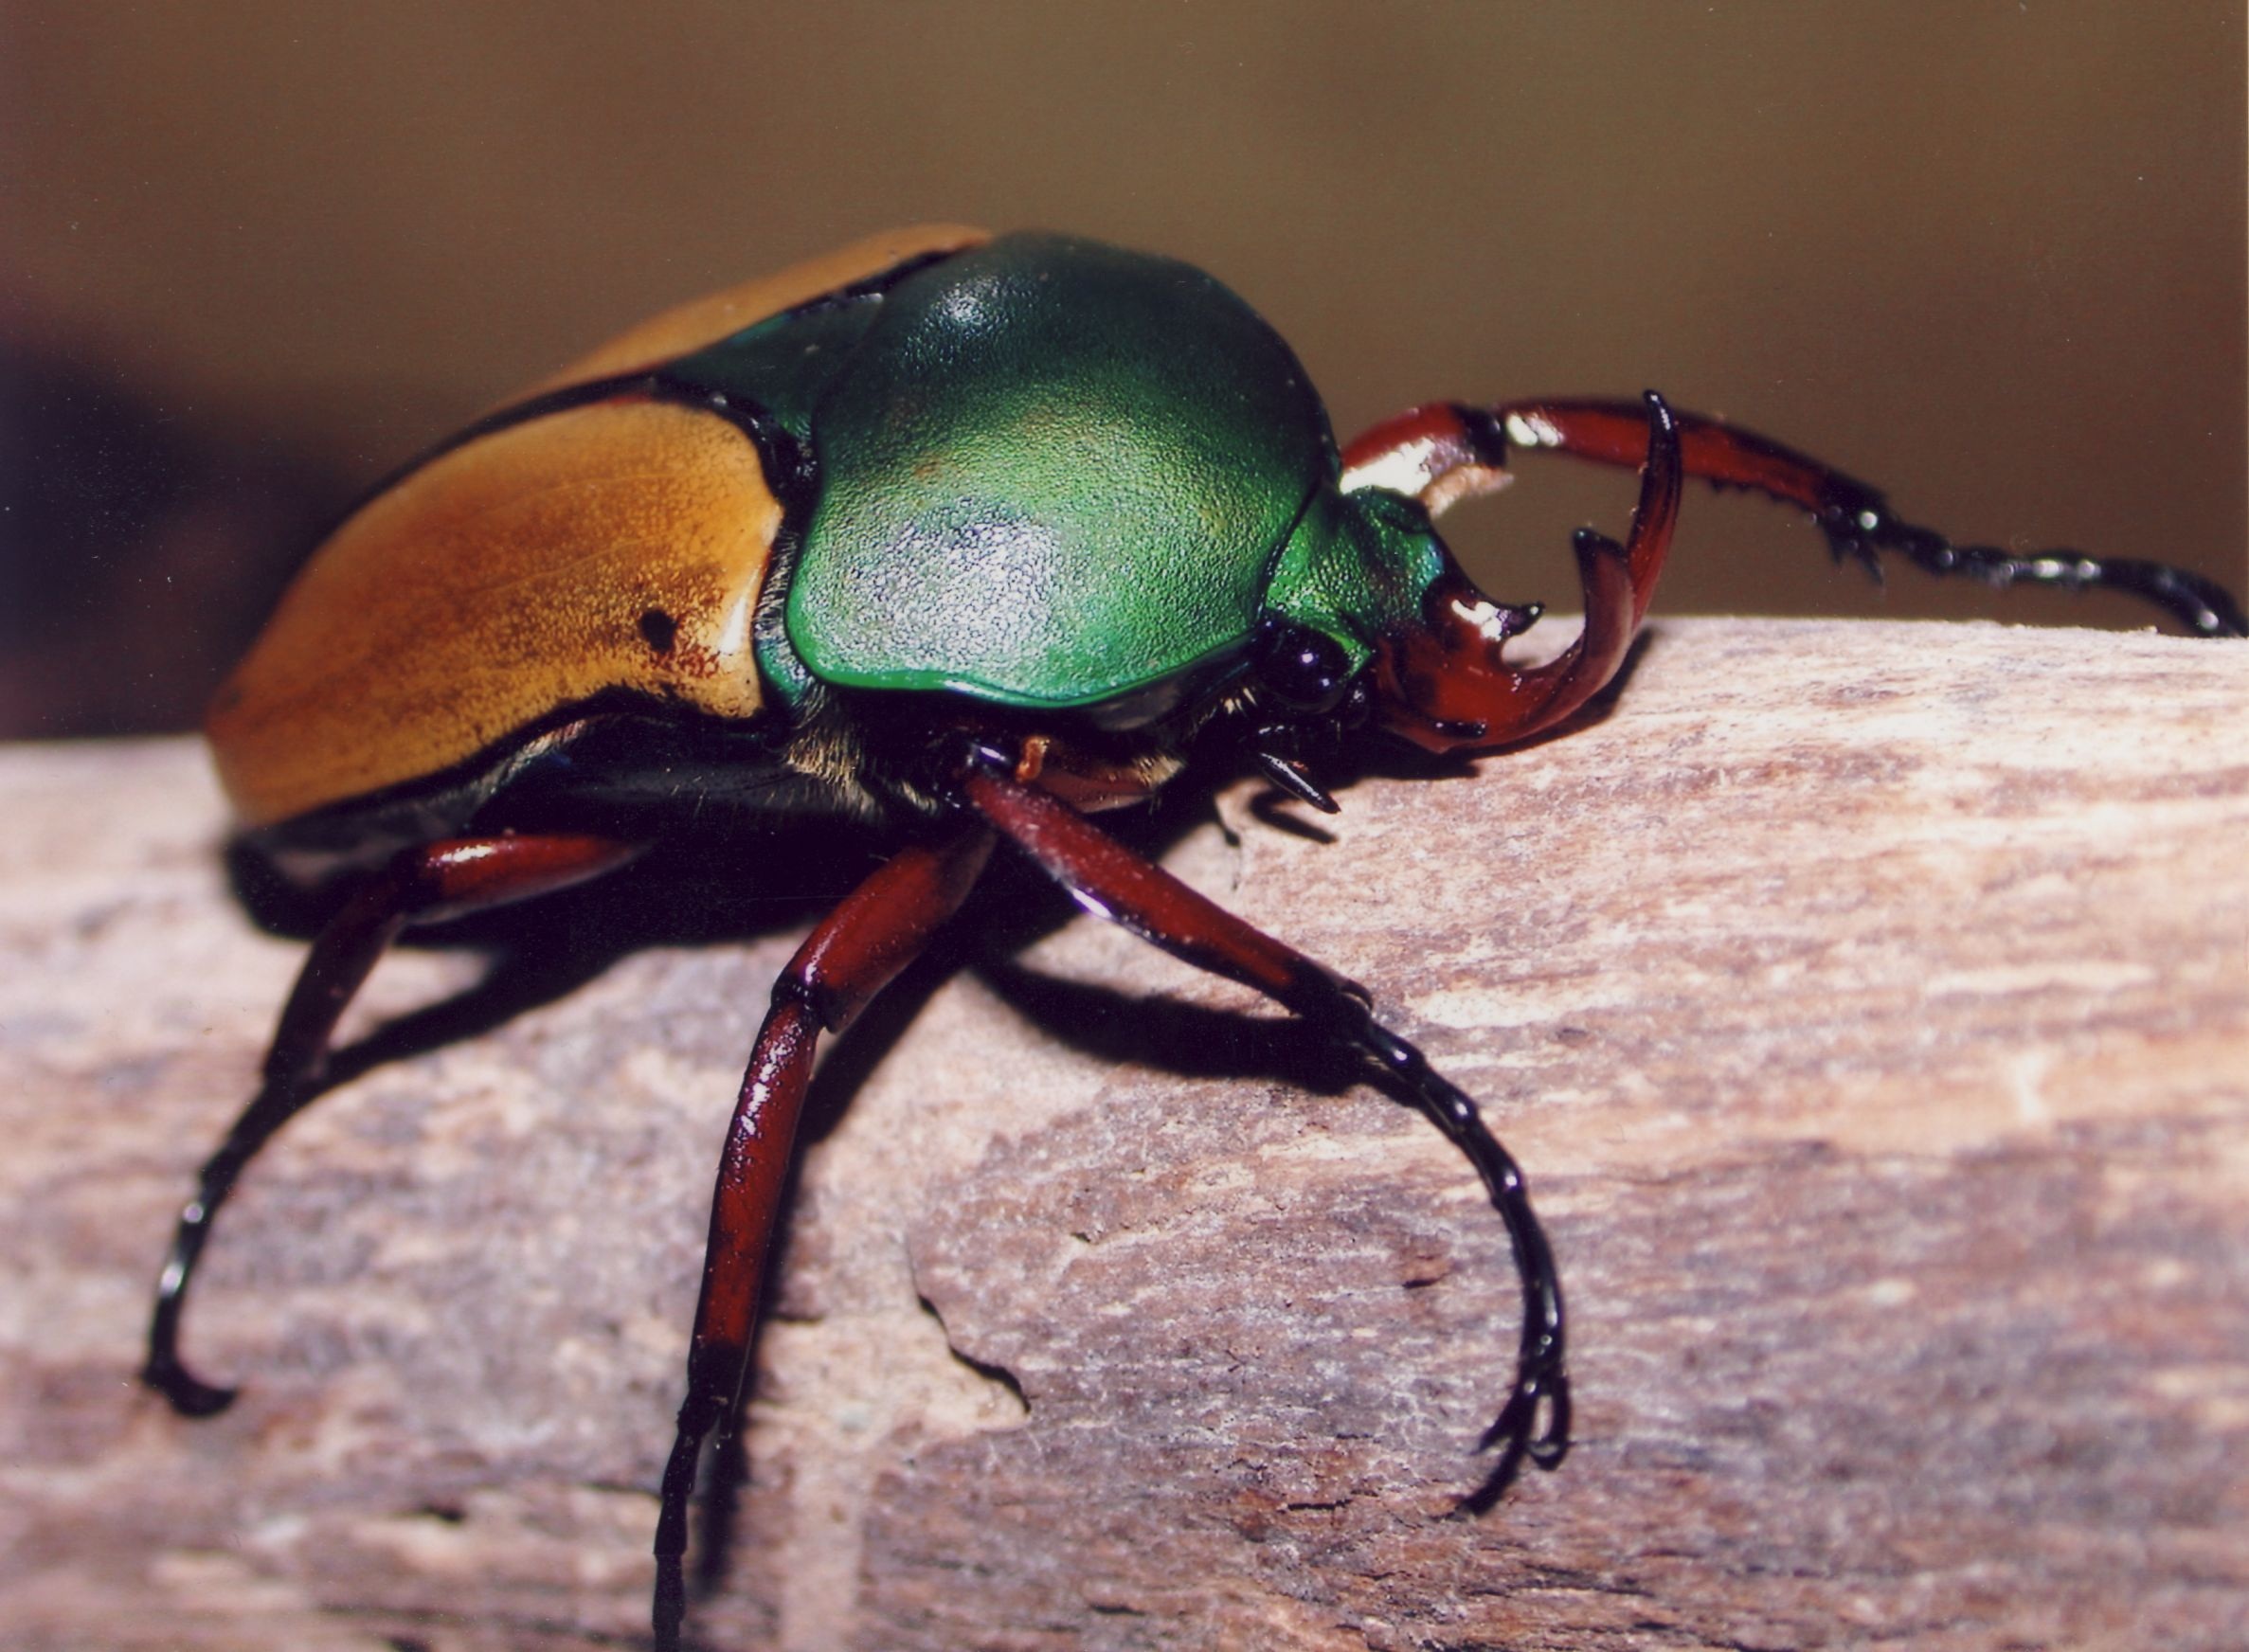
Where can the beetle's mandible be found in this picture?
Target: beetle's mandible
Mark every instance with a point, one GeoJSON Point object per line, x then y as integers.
{"type": "Point", "coordinates": [969, 538]}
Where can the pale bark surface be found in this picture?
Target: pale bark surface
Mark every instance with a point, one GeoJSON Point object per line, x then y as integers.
{"type": "Point", "coordinates": [1868, 1004]}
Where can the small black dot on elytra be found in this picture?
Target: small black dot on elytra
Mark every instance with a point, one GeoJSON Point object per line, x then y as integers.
{"type": "Point", "coordinates": [660, 630]}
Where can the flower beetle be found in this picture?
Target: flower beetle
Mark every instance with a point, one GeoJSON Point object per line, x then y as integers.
{"type": "Point", "coordinates": [971, 539]}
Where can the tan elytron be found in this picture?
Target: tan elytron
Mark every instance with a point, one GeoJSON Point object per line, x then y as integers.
{"type": "Point", "coordinates": [529, 570]}
{"type": "Point", "coordinates": [616, 545]}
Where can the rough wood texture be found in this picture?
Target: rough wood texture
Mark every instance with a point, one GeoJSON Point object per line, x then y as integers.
{"type": "Point", "coordinates": [1869, 1004]}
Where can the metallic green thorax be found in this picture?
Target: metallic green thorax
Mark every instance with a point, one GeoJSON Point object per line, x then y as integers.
{"type": "Point", "coordinates": [1056, 474]}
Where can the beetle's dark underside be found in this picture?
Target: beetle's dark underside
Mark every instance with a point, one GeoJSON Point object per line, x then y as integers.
{"type": "Point", "coordinates": [1034, 523]}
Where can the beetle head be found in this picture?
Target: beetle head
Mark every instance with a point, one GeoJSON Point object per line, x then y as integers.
{"type": "Point", "coordinates": [1435, 645]}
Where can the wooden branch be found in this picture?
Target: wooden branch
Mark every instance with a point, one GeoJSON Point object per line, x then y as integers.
{"type": "Point", "coordinates": [1869, 1005]}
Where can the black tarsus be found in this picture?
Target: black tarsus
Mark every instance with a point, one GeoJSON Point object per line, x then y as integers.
{"type": "Point", "coordinates": [281, 1099]}
{"type": "Point", "coordinates": [1541, 1379]}
{"type": "Point", "coordinates": [1859, 523]}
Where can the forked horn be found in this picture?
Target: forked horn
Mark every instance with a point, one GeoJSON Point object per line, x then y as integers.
{"type": "Point", "coordinates": [1443, 684]}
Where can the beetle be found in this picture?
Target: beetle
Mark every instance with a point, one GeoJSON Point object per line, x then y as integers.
{"type": "Point", "coordinates": [972, 539]}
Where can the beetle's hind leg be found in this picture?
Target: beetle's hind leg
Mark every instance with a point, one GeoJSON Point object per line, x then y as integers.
{"type": "Point", "coordinates": [1115, 883]}
{"type": "Point", "coordinates": [859, 949]}
{"type": "Point", "coordinates": [435, 881]}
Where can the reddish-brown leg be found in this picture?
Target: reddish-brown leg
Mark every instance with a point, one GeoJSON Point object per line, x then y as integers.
{"type": "Point", "coordinates": [880, 927]}
{"type": "Point", "coordinates": [1444, 451]}
{"type": "Point", "coordinates": [1114, 883]}
{"type": "Point", "coordinates": [428, 885]}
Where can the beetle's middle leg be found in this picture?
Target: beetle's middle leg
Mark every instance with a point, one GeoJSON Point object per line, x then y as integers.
{"type": "Point", "coordinates": [859, 949]}
{"type": "Point", "coordinates": [426, 884]}
{"type": "Point", "coordinates": [1115, 883]}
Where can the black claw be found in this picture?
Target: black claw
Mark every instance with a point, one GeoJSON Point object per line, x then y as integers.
{"type": "Point", "coordinates": [164, 1371]}
{"type": "Point", "coordinates": [1486, 1495]}
{"type": "Point", "coordinates": [1511, 1432]}
{"type": "Point", "coordinates": [2203, 606]}
{"type": "Point", "coordinates": [186, 1394]}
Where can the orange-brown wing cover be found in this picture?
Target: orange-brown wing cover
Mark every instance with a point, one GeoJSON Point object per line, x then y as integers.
{"type": "Point", "coordinates": [526, 571]}
{"type": "Point", "coordinates": [502, 582]}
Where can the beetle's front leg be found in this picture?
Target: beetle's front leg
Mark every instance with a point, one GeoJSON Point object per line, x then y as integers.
{"type": "Point", "coordinates": [1113, 882]}
{"type": "Point", "coordinates": [1444, 452]}
{"type": "Point", "coordinates": [859, 949]}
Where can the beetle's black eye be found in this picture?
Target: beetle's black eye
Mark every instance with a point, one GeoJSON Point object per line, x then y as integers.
{"type": "Point", "coordinates": [1300, 667]}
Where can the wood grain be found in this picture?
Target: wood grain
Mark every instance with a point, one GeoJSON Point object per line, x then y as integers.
{"type": "Point", "coordinates": [1869, 1005]}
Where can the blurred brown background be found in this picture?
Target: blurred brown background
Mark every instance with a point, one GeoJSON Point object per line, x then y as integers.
{"type": "Point", "coordinates": [1989, 256]}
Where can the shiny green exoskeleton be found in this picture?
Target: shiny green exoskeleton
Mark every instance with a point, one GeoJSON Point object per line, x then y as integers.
{"type": "Point", "coordinates": [968, 538]}
{"type": "Point", "coordinates": [1056, 474]}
